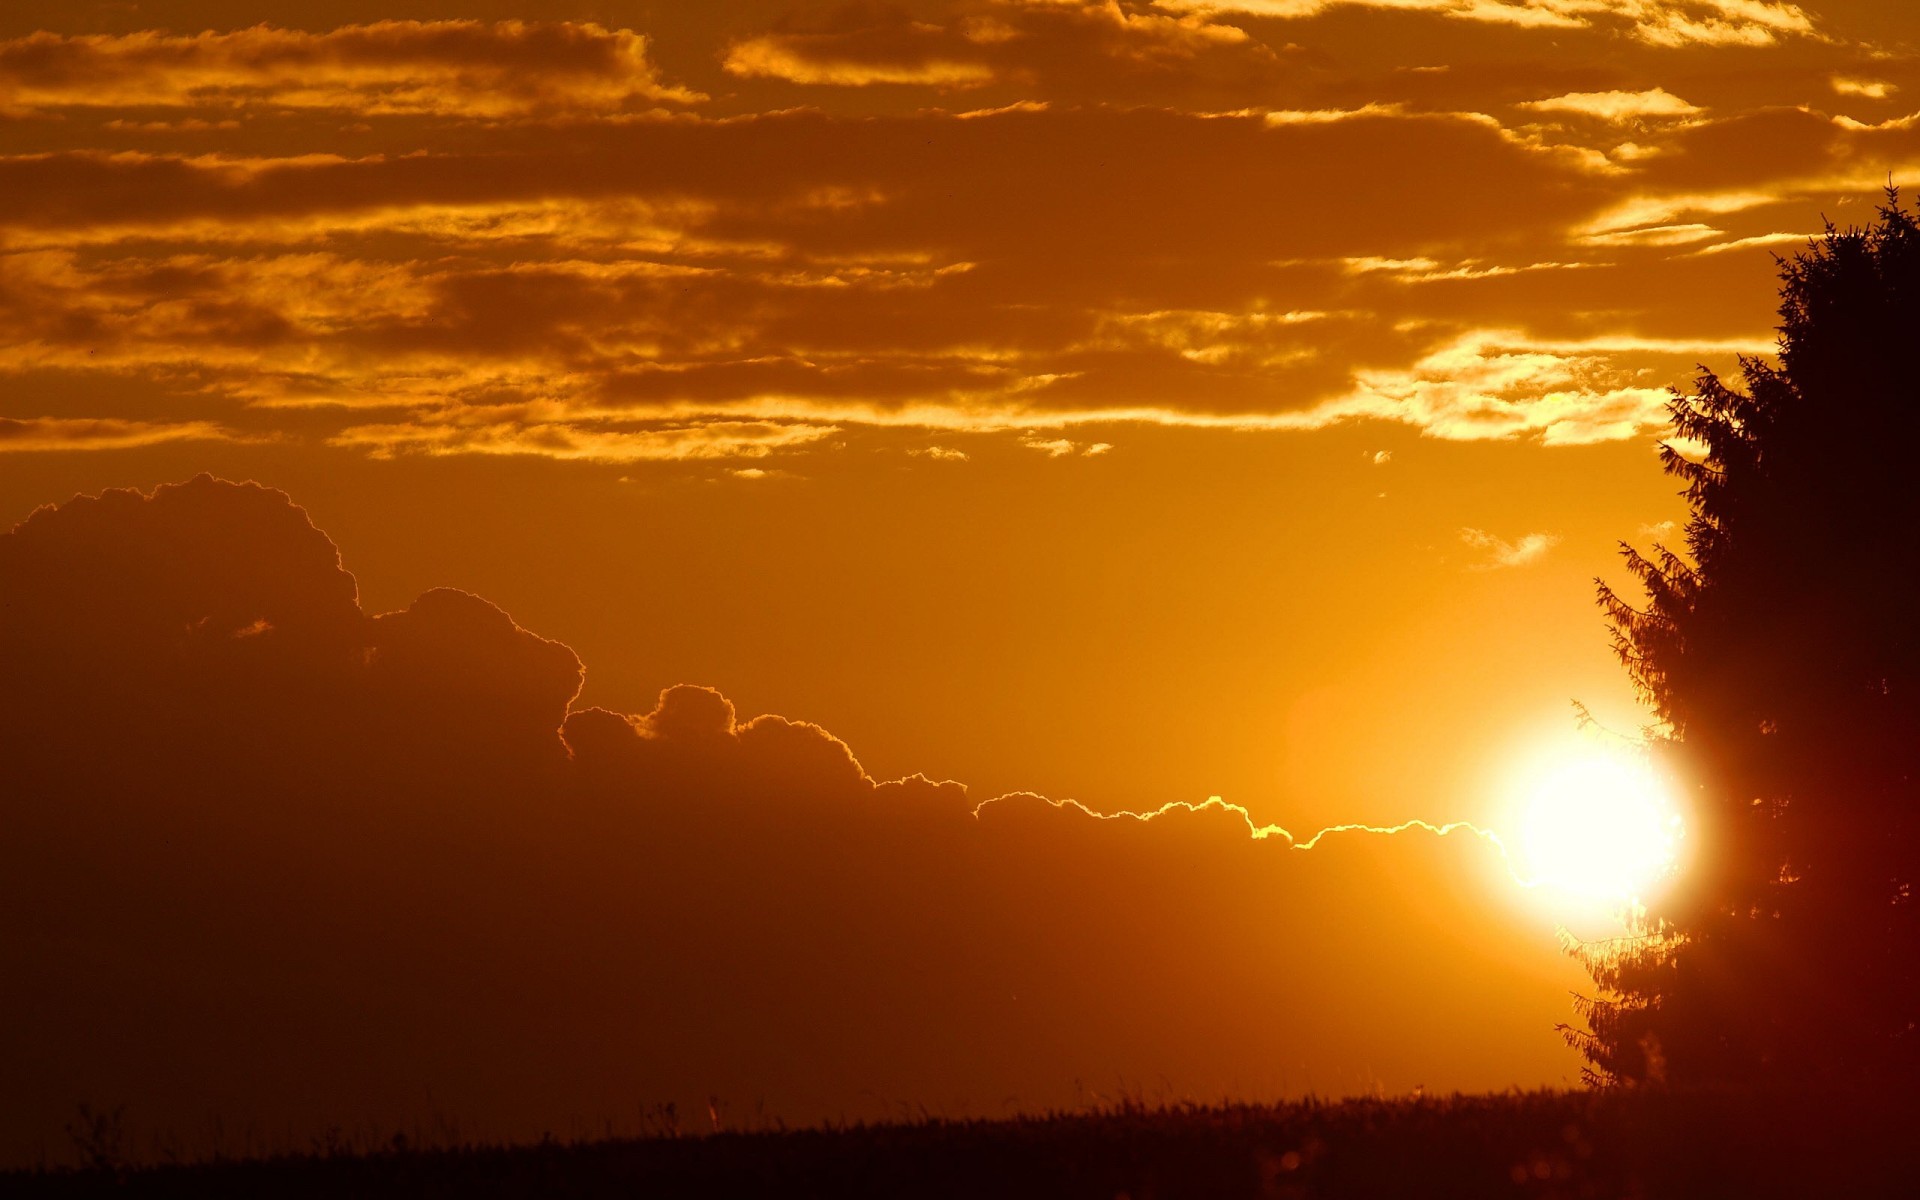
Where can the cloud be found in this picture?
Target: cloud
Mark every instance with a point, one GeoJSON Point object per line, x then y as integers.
{"type": "Point", "coordinates": [1429, 270]}
{"type": "Point", "coordinates": [1500, 553]}
{"type": "Point", "coordinates": [1618, 106]}
{"type": "Point", "coordinates": [1714, 22]}
{"type": "Point", "coordinates": [1655, 217]}
{"type": "Point", "coordinates": [102, 433]}
{"type": "Point", "coordinates": [1064, 447]}
{"type": "Point", "coordinates": [490, 683]}
{"type": "Point", "coordinates": [1488, 384]}
{"type": "Point", "coordinates": [860, 45]}
{"type": "Point", "coordinates": [1656, 22]}
{"type": "Point", "coordinates": [594, 288]}
{"type": "Point", "coordinates": [1656, 235]}
{"type": "Point", "coordinates": [1869, 89]}
{"type": "Point", "coordinates": [940, 453]}
{"type": "Point", "coordinates": [1060, 50]}
{"type": "Point", "coordinates": [274, 856]}
{"type": "Point", "coordinates": [584, 442]}
{"type": "Point", "coordinates": [599, 307]}
{"type": "Point", "coordinates": [464, 68]}
{"type": "Point", "coordinates": [1552, 14]}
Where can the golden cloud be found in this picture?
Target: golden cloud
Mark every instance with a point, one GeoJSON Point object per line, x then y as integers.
{"type": "Point", "coordinates": [1618, 106]}
{"type": "Point", "coordinates": [797, 60]}
{"type": "Point", "coordinates": [928, 271]}
{"type": "Point", "coordinates": [1658, 22]}
{"type": "Point", "coordinates": [1053, 46]}
{"type": "Point", "coordinates": [582, 442]}
{"type": "Point", "coordinates": [1870, 89]}
{"type": "Point", "coordinates": [1493, 385]}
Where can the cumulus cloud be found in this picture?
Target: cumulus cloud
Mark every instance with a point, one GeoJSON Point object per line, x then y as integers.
{"type": "Point", "coordinates": [467, 68]}
{"type": "Point", "coordinates": [275, 857]}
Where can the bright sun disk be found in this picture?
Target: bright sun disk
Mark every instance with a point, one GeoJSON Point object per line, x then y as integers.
{"type": "Point", "coordinates": [1602, 827]}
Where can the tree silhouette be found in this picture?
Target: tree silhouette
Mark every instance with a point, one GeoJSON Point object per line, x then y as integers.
{"type": "Point", "coordinates": [1781, 655]}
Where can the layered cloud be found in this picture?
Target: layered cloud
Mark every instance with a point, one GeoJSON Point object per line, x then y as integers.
{"type": "Point", "coordinates": [1011, 218]}
{"type": "Point", "coordinates": [275, 857]}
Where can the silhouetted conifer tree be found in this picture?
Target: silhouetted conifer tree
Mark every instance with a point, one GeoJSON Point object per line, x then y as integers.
{"type": "Point", "coordinates": [1781, 652]}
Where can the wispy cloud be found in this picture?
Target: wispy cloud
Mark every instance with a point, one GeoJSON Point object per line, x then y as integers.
{"type": "Point", "coordinates": [1497, 552]}
{"type": "Point", "coordinates": [940, 453]}
{"type": "Point", "coordinates": [583, 442]}
{"type": "Point", "coordinates": [1493, 384]}
{"type": "Point", "coordinates": [89, 433]}
{"type": "Point", "coordinates": [1065, 447]}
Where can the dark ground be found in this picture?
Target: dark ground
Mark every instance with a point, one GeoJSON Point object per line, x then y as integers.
{"type": "Point", "coordinates": [1544, 1144]}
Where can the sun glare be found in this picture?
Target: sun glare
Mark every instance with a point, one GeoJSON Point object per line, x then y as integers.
{"type": "Point", "coordinates": [1601, 827]}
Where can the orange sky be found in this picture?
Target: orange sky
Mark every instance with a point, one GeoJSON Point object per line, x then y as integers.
{"type": "Point", "coordinates": [1126, 402]}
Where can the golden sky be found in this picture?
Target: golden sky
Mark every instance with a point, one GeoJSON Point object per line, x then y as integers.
{"type": "Point", "coordinates": [1124, 402]}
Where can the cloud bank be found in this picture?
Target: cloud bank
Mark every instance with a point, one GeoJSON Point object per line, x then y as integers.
{"type": "Point", "coordinates": [276, 858]}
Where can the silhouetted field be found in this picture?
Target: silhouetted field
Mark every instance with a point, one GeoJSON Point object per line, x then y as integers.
{"type": "Point", "coordinates": [1545, 1144]}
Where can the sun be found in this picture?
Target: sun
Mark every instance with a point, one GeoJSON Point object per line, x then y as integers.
{"type": "Point", "coordinates": [1599, 827]}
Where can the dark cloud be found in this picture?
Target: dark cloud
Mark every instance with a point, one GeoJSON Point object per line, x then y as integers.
{"type": "Point", "coordinates": [493, 686]}
{"type": "Point", "coordinates": [275, 859]}
{"type": "Point", "coordinates": [449, 68]}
